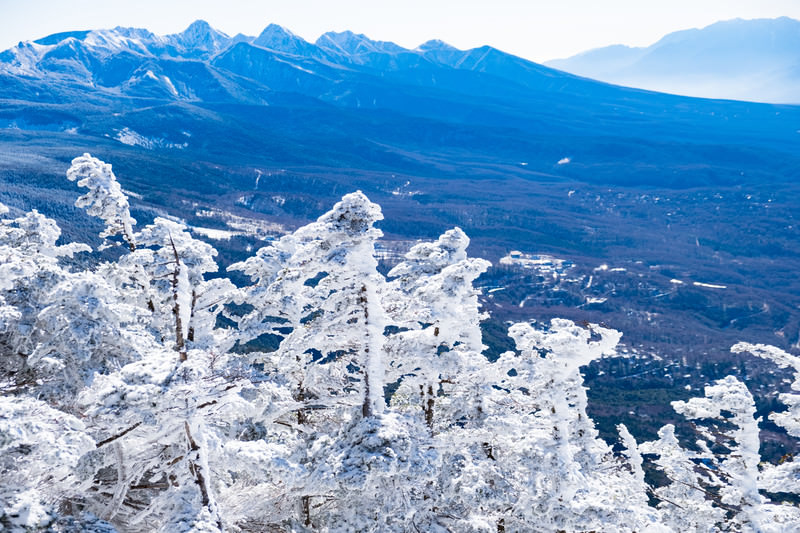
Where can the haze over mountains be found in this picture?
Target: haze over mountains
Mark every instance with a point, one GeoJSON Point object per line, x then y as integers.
{"type": "Point", "coordinates": [756, 60]}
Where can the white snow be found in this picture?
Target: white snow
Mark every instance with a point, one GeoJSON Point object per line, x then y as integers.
{"type": "Point", "coordinates": [170, 85]}
{"type": "Point", "coordinates": [184, 300]}
{"type": "Point", "coordinates": [294, 65]}
{"type": "Point", "coordinates": [709, 285]}
{"type": "Point", "coordinates": [217, 234]}
{"type": "Point", "coordinates": [132, 138]}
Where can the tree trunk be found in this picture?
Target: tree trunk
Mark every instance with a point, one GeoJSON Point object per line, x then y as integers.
{"type": "Point", "coordinates": [190, 335]}
{"type": "Point", "coordinates": [428, 402]}
{"type": "Point", "coordinates": [366, 406]}
{"type": "Point", "coordinates": [180, 344]}
{"type": "Point", "coordinates": [306, 506]}
{"type": "Point", "coordinates": [200, 476]}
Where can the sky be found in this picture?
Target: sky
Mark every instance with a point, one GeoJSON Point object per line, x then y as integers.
{"type": "Point", "coordinates": [535, 29]}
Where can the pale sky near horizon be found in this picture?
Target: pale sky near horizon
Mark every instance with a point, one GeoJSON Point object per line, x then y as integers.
{"type": "Point", "coordinates": [534, 29]}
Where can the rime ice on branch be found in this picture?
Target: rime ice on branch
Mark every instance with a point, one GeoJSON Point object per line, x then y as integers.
{"type": "Point", "coordinates": [104, 199]}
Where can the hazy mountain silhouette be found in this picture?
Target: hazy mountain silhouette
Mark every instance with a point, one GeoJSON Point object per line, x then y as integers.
{"type": "Point", "coordinates": [756, 60]}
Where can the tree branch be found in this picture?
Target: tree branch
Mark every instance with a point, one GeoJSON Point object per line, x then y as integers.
{"type": "Point", "coordinates": [118, 435]}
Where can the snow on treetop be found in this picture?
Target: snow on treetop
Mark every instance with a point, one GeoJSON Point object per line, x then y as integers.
{"type": "Point", "coordinates": [354, 214]}
{"type": "Point", "coordinates": [430, 257]}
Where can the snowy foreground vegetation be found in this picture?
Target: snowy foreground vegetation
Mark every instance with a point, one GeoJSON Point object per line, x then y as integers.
{"type": "Point", "coordinates": [134, 397]}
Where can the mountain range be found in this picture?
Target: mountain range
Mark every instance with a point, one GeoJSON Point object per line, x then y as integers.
{"type": "Point", "coordinates": [677, 216]}
{"type": "Point", "coordinates": [361, 98]}
{"type": "Point", "coordinates": [757, 60]}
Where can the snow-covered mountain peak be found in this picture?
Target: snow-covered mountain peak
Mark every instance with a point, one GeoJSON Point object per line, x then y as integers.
{"type": "Point", "coordinates": [23, 58]}
{"type": "Point", "coordinates": [201, 37]}
{"type": "Point", "coordinates": [350, 43]}
{"type": "Point", "coordinates": [198, 29]}
{"type": "Point", "coordinates": [134, 39]}
{"type": "Point", "coordinates": [276, 30]}
{"type": "Point", "coordinates": [241, 38]}
{"type": "Point", "coordinates": [58, 37]}
{"type": "Point", "coordinates": [278, 38]}
{"type": "Point", "coordinates": [436, 45]}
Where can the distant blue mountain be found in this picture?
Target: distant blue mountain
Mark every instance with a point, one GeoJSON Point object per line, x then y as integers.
{"type": "Point", "coordinates": [757, 60]}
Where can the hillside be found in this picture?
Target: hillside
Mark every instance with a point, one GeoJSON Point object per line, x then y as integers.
{"type": "Point", "coordinates": [246, 138]}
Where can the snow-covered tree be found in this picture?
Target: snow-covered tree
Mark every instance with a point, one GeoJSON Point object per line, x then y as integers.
{"type": "Point", "coordinates": [436, 352]}
{"type": "Point", "coordinates": [86, 328]}
{"type": "Point", "coordinates": [320, 290]}
{"type": "Point", "coordinates": [728, 404]}
{"type": "Point", "coordinates": [789, 419]}
{"type": "Point", "coordinates": [559, 474]}
{"type": "Point", "coordinates": [104, 199]}
{"type": "Point", "coordinates": [718, 485]}
{"type": "Point", "coordinates": [783, 477]}
{"type": "Point", "coordinates": [124, 406]}
{"type": "Point", "coordinates": [172, 442]}
{"type": "Point", "coordinates": [30, 268]}
{"type": "Point", "coordinates": [685, 504]}
{"type": "Point", "coordinates": [184, 304]}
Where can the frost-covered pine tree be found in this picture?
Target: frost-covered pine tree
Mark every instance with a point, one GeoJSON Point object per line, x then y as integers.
{"type": "Point", "coordinates": [31, 266]}
{"type": "Point", "coordinates": [727, 413]}
{"type": "Point", "coordinates": [319, 289]}
{"type": "Point", "coordinates": [557, 473]}
{"type": "Point", "coordinates": [90, 329]}
{"type": "Point", "coordinates": [104, 199]}
{"type": "Point", "coordinates": [720, 488]}
{"type": "Point", "coordinates": [685, 504]}
{"type": "Point", "coordinates": [789, 419]}
{"type": "Point", "coordinates": [184, 304]}
{"type": "Point", "coordinates": [435, 358]}
{"type": "Point", "coordinates": [39, 447]}
{"type": "Point", "coordinates": [436, 353]}
{"type": "Point", "coordinates": [783, 477]}
{"type": "Point", "coordinates": [161, 421]}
